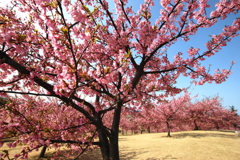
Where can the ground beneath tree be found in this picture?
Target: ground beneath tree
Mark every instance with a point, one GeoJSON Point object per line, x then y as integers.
{"type": "Point", "coordinates": [190, 145]}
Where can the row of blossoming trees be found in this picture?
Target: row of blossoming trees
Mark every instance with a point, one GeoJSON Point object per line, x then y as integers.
{"type": "Point", "coordinates": [45, 125]}
{"type": "Point", "coordinates": [181, 113]}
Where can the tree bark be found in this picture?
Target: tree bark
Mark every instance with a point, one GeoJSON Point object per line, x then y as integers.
{"type": "Point", "coordinates": [148, 128]}
{"type": "Point", "coordinates": [109, 144]}
{"type": "Point", "coordinates": [114, 149]}
{"type": "Point", "coordinates": [168, 127]}
{"type": "Point", "coordinates": [122, 132]}
{"type": "Point", "coordinates": [43, 151]}
{"type": "Point", "coordinates": [217, 126]}
{"type": "Point", "coordinates": [104, 145]}
{"type": "Point", "coordinates": [195, 125]}
{"type": "Point", "coordinates": [109, 147]}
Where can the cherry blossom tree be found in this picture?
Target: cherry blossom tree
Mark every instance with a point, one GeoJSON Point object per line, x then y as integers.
{"type": "Point", "coordinates": [224, 118]}
{"type": "Point", "coordinates": [236, 117]}
{"type": "Point", "coordinates": [209, 113]}
{"type": "Point", "coordinates": [170, 112]}
{"type": "Point", "coordinates": [98, 61]}
{"type": "Point", "coordinates": [198, 113]}
{"type": "Point", "coordinates": [41, 122]}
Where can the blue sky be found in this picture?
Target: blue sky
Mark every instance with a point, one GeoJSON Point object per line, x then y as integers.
{"type": "Point", "coordinates": [229, 91]}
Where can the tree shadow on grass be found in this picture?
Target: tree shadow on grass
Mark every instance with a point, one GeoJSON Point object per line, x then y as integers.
{"type": "Point", "coordinates": [128, 154]}
{"type": "Point", "coordinates": [168, 157]}
{"type": "Point", "coordinates": [89, 155]}
{"type": "Point", "coordinates": [227, 131]}
{"type": "Point", "coordinates": [123, 139]}
{"type": "Point", "coordinates": [201, 135]}
{"type": "Point", "coordinates": [125, 154]}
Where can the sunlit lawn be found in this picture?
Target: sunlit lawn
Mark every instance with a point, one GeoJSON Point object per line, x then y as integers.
{"type": "Point", "coordinates": [188, 145]}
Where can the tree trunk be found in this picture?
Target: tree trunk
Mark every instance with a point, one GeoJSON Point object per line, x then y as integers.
{"type": "Point", "coordinates": [104, 145]}
{"type": "Point", "coordinates": [109, 148]}
{"type": "Point", "coordinates": [109, 141]}
{"type": "Point", "coordinates": [168, 127]}
{"type": "Point", "coordinates": [148, 128]}
{"type": "Point", "coordinates": [114, 149]}
{"type": "Point", "coordinates": [217, 126]}
{"type": "Point", "coordinates": [42, 153]}
{"type": "Point", "coordinates": [195, 125]}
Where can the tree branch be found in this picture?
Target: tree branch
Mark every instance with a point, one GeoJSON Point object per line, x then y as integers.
{"type": "Point", "coordinates": [162, 71]}
{"type": "Point", "coordinates": [74, 142]}
{"type": "Point", "coordinates": [27, 93]}
{"type": "Point", "coordinates": [6, 59]}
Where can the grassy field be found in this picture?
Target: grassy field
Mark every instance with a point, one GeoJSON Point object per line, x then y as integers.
{"type": "Point", "coordinates": [188, 145]}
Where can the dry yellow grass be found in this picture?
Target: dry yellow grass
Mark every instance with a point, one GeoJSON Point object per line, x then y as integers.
{"type": "Point", "coordinates": [193, 145]}
{"type": "Point", "coordinates": [189, 145]}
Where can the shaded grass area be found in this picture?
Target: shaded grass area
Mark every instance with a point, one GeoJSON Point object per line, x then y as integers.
{"type": "Point", "coordinates": [186, 145]}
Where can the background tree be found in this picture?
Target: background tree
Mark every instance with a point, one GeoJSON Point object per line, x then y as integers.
{"type": "Point", "coordinates": [170, 112]}
{"type": "Point", "coordinates": [41, 122]}
{"type": "Point", "coordinates": [100, 61]}
{"type": "Point", "coordinates": [208, 114]}
{"type": "Point", "coordinates": [236, 117]}
{"type": "Point", "coordinates": [197, 113]}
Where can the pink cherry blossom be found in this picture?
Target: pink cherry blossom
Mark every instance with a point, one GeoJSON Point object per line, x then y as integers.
{"type": "Point", "coordinates": [73, 71]}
